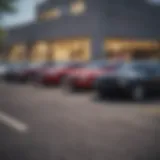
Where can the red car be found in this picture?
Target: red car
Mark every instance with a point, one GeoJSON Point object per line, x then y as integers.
{"type": "Point", "coordinates": [85, 77]}
{"type": "Point", "coordinates": [56, 74]}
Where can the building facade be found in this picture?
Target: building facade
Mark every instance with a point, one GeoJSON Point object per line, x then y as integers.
{"type": "Point", "coordinates": [87, 29]}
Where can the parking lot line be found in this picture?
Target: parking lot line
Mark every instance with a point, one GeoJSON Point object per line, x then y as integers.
{"type": "Point", "coordinates": [13, 123]}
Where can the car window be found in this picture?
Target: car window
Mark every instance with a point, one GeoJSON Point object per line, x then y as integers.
{"type": "Point", "coordinates": [124, 68]}
{"type": "Point", "coordinates": [113, 66]}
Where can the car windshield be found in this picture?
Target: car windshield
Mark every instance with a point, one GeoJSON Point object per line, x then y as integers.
{"type": "Point", "coordinates": [96, 65]}
{"type": "Point", "coordinates": [148, 68]}
{"type": "Point", "coordinates": [17, 66]}
{"type": "Point", "coordinates": [102, 64]}
{"type": "Point", "coordinates": [2, 63]}
{"type": "Point", "coordinates": [114, 65]}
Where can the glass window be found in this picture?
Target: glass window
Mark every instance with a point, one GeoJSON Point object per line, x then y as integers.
{"type": "Point", "coordinates": [78, 7]}
{"type": "Point", "coordinates": [51, 14]}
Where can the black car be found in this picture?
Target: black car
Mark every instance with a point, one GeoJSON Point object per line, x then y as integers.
{"type": "Point", "coordinates": [135, 79]}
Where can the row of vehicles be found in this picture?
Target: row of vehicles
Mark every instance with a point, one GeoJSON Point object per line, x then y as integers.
{"type": "Point", "coordinates": [136, 79]}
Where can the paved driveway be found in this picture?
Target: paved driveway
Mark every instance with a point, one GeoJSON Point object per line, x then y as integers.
{"type": "Point", "coordinates": [46, 124]}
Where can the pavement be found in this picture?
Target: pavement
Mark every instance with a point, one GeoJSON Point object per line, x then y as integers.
{"type": "Point", "coordinates": [39, 123]}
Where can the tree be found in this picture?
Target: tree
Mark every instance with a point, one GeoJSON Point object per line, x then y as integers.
{"type": "Point", "coordinates": [7, 6]}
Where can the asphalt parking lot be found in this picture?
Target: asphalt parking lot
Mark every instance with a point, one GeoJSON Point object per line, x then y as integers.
{"type": "Point", "coordinates": [45, 123]}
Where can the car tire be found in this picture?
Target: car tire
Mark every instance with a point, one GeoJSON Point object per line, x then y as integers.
{"type": "Point", "coordinates": [138, 93]}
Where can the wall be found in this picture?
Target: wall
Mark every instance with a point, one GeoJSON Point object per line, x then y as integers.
{"type": "Point", "coordinates": [48, 4]}
{"type": "Point", "coordinates": [131, 19]}
{"type": "Point", "coordinates": [20, 34]}
{"type": "Point", "coordinates": [103, 19]}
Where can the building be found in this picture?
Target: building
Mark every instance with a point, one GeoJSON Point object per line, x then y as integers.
{"type": "Point", "coordinates": [87, 29]}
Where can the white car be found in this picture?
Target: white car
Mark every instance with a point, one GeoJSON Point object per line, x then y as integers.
{"type": "Point", "coordinates": [3, 69]}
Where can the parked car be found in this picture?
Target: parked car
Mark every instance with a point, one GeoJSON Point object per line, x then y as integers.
{"type": "Point", "coordinates": [3, 69]}
{"type": "Point", "coordinates": [54, 75]}
{"type": "Point", "coordinates": [136, 79]}
{"type": "Point", "coordinates": [29, 72]}
{"type": "Point", "coordinates": [84, 78]}
{"type": "Point", "coordinates": [13, 69]}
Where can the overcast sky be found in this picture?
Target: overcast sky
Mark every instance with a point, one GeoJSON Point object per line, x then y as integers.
{"type": "Point", "coordinates": [26, 12]}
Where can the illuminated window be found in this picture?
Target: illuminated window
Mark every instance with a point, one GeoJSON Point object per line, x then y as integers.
{"type": "Point", "coordinates": [51, 14]}
{"type": "Point", "coordinates": [78, 7]}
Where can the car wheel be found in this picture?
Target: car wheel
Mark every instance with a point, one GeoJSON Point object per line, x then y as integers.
{"type": "Point", "coordinates": [138, 93]}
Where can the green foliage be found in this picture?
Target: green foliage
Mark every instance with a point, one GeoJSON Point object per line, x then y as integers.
{"type": "Point", "coordinates": [2, 36]}
{"type": "Point", "coordinates": [2, 33]}
{"type": "Point", "coordinates": [7, 6]}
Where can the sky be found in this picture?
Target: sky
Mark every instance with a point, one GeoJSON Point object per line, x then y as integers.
{"type": "Point", "coordinates": [26, 12]}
